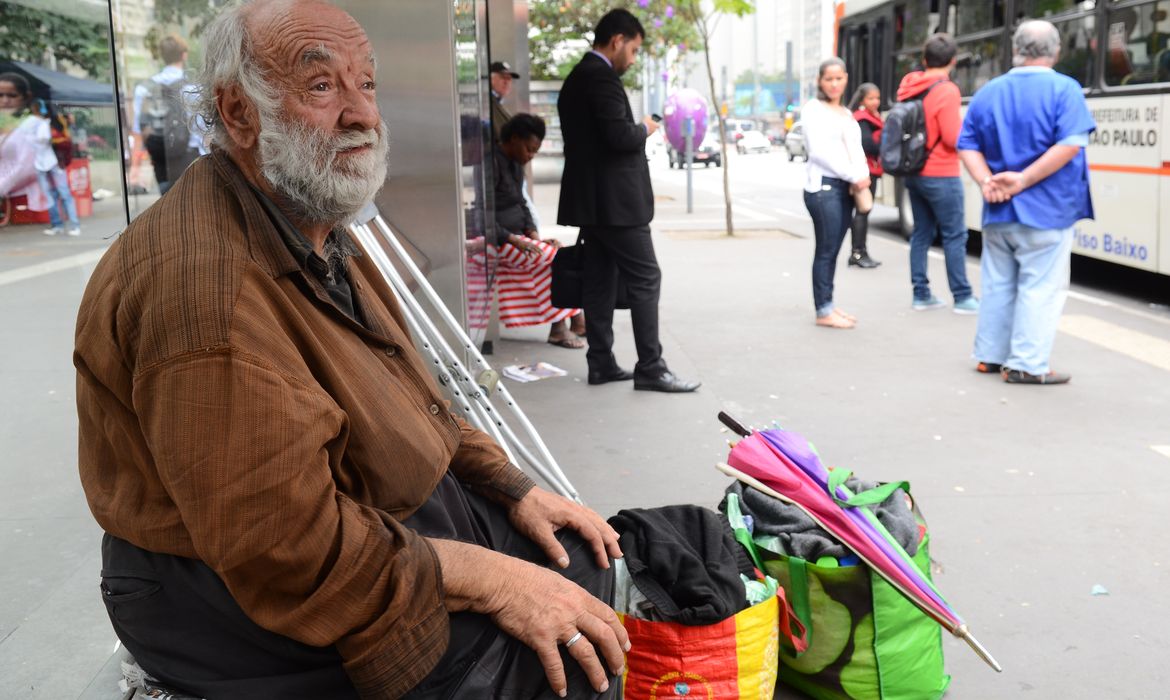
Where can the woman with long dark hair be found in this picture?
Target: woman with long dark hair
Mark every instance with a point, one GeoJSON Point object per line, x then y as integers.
{"type": "Point", "coordinates": [834, 172]}
{"type": "Point", "coordinates": [866, 102]}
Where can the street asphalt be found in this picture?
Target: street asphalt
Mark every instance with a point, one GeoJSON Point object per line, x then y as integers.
{"type": "Point", "coordinates": [1046, 504]}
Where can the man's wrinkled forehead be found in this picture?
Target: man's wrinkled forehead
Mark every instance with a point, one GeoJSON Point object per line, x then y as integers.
{"type": "Point", "coordinates": [293, 35]}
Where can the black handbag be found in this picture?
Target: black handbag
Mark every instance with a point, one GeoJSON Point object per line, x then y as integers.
{"type": "Point", "coordinates": [568, 279]}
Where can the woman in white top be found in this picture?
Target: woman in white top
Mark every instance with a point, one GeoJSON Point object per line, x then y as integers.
{"type": "Point", "coordinates": [51, 175]}
{"type": "Point", "coordinates": [834, 171]}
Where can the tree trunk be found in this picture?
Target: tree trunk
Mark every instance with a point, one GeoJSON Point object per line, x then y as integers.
{"type": "Point", "coordinates": [706, 35]}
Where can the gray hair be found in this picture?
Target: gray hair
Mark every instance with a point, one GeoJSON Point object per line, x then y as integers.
{"type": "Point", "coordinates": [1036, 38]}
{"type": "Point", "coordinates": [229, 59]}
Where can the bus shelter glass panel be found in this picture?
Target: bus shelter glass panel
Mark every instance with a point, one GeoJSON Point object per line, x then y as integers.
{"type": "Point", "coordinates": [475, 139]}
{"type": "Point", "coordinates": [157, 46]}
{"type": "Point", "coordinates": [977, 15]}
{"type": "Point", "coordinates": [1043, 9]}
{"type": "Point", "coordinates": [978, 62]}
{"type": "Point", "coordinates": [1137, 49]}
{"type": "Point", "coordinates": [1078, 56]}
{"type": "Point", "coordinates": [56, 72]}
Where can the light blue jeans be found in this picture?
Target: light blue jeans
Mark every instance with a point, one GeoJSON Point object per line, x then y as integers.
{"type": "Point", "coordinates": [55, 185]}
{"type": "Point", "coordinates": [1025, 278]}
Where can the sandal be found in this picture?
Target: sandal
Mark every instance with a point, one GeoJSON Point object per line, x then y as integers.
{"type": "Point", "coordinates": [834, 321]}
{"type": "Point", "coordinates": [845, 315]}
{"type": "Point", "coordinates": [571, 343]}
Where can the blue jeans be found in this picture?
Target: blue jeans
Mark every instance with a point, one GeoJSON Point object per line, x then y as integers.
{"type": "Point", "coordinates": [55, 185]}
{"type": "Point", "coordinates": [937, 203]}
{"type": "Point", "coordinates": [1024, 277]}
{"type": "Point", "coordinates": [831, 209]}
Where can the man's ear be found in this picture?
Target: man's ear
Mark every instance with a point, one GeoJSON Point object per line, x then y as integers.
{"type": "Point", "coordinates": [239, 116]}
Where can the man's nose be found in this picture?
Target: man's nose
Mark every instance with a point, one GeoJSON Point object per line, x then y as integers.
{"type": "Point", "coordinates": [360, 110]}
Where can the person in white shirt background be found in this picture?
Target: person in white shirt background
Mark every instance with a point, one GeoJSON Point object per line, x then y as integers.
{"type": "Point", "coordinates": [50, 175]}
{"type": "Point", "coordinates": [834, 172]}
{"type": "Point", "coordinates": [168, 162]}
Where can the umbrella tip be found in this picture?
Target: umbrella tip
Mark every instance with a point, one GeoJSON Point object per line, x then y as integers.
{"type": "Point", "coordinates": [965, 634]}
{"type": "Point", "coordinates": [733, 425]}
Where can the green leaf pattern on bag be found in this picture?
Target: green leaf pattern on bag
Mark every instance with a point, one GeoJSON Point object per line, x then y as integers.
{"type": "Point", "coordinates": [831, 620]}
{"type": "Point", "coordinates": [858, 679]}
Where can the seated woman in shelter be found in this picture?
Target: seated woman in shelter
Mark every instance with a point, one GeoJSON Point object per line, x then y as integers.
{"type": "Point", "coordinates": [525, 262]}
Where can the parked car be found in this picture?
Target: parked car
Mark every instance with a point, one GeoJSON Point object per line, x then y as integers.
{"type": "Point", "coordinates": [753, 142]}
{"type": "Point", "coordinates": [708, 153]}
{"type": "Point", "coordinates": [794, 143]}
{"type": "Point", "coordinates": [737, 127]}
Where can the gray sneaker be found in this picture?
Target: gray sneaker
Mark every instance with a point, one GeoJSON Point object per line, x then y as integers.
{"type": "Point", "coordinates": [968, 306]}
{"type": "Point", "coordinates": [53, 231]}
{"type": "Point", "coordinates": [75, 231]}
{"type": "Point", "coordinates": [928, 304]}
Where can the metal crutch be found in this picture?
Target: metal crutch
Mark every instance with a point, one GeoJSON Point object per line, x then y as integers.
{"type": "Point", "coordinates": [472, 400]}
{"type": "Point", "coordinates": [468, 346]}
{"type": "Point", "coordinates": [452, 373]}
{"type": "Point", "coordinates": [429, 347]}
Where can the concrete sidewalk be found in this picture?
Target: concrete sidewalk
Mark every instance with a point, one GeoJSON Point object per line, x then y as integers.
{"type": "Point", "coordinates": [1034, 494]}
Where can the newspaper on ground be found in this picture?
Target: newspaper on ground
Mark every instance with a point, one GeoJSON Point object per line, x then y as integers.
{"type": "Point", "coordinates": [532, 373]}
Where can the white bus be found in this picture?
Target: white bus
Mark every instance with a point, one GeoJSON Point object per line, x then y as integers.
{"type": "Point", "coordinates": [1119, 51]}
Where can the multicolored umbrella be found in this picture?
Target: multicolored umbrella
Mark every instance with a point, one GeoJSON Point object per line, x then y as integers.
{"type": "Point", "coordinates": [783, 465]}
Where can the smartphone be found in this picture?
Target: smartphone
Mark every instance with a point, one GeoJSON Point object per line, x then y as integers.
{"type": "Point", "coordinates": [656, 117]}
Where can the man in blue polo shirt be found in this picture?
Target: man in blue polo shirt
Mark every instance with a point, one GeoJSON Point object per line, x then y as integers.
{"type": "Point", "coordinates": [1023, 140]}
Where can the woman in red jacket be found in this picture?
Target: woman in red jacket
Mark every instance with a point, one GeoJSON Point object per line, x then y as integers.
{"type": "Point", "coordinates": [865, 105]}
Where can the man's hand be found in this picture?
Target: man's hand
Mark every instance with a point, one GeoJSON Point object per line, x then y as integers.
{"type": "Point", "coordinates": [536, 606]}
{"type": "Point", "coordinates": [651, 125]}
{"type": "Point", "coordinates": [993, 193]}
{"type": "Point", "coordinates": [862, 184]}
{"type": "Point", "coordinates": [540, 514]}
{"type": "Point", "coordinates": [1009, 182]}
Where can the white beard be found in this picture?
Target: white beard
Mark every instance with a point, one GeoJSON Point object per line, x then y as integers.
{"type": "Point", "coordinates": [300, 163]}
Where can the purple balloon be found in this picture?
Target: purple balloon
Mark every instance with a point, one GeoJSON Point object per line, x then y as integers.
{"type": "Point", "coordinates": [680, 106]}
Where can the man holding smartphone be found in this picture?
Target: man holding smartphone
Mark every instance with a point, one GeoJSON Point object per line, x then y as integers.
{"type": "Point", "coordinates": [606, 191]}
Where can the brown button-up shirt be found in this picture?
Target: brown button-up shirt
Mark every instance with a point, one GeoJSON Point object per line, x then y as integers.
{"type": "Point", "coordinates": [230, 412]}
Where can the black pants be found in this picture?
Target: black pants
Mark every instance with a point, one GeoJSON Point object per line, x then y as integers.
{"type": "Point", "coordinates": [183, 627]}
{"type": "Point", "coordinates": [168, 166]}
{"type": "Point", "coordinates": [629, 250]}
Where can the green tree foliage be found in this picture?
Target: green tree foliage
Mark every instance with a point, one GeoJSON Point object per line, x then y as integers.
{"type": "Point", "coordinates": [703, 17]}
{"type": "Point", "coordinates": [179, 12]}
{"type": "Point", "coordinates": [28, 34]}
{"type": "Point", "coordinates": [556, 26]}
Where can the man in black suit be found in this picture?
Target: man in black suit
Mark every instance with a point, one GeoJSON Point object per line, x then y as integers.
{"type": "Point", "coordinates": [606, 191]}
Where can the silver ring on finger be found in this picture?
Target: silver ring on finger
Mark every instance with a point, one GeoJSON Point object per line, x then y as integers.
{"type": "Point", "coordinates": [573, 640]}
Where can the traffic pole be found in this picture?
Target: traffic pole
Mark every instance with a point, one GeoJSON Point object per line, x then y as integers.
{"type": "Point", "coordinates": [690, 157]}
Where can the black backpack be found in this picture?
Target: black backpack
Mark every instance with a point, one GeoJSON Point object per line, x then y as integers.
{"type": "Point", "coordinates": [165, 114]}
{"type": "Point", "coordinates": [903, 150]}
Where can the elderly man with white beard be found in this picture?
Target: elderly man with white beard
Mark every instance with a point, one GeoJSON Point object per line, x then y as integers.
{"type": "Point", "coordinates": [290, 509]}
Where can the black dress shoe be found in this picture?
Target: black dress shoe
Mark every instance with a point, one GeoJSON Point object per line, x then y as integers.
{"type": "Point", "coordinates": [617, 374]}
{"type": "Point", "coordinates": [667, 382]}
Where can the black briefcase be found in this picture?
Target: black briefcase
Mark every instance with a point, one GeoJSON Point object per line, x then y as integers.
{"type": "Point", "coordinates": [568, 279]}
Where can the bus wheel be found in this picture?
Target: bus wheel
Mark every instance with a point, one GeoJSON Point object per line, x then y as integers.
{"type": "Point", "coordinates": [905, 212]}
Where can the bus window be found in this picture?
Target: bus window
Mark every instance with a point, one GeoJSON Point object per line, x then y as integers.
{"type": "Point", "coordinates": [906, 63]}
{"type": "Point", "coordinates": [1137, 51]}
{"type": "Point", "coordinates": [978, 62]}
{"type": "Point", "coordinates": [1043, 9]}
{"type": "Point", "coordinates": [978, 15]}
{"type": "Point", "coordinates": [913, 23]}
{"type": "Point", "coordinates": [1078, 41]}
